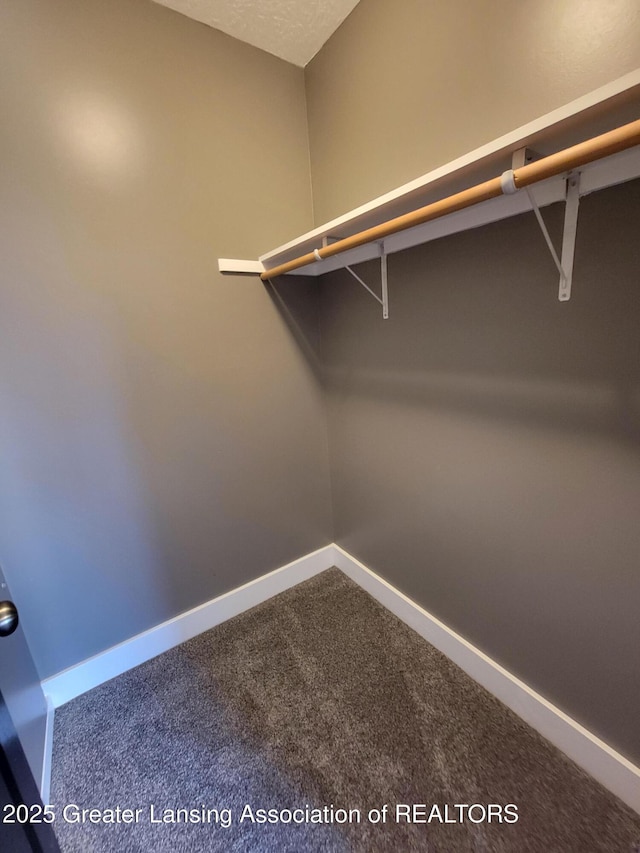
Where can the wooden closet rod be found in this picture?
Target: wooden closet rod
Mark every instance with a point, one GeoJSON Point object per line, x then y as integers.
{"type": "Point", "coordinates": [555, 164]}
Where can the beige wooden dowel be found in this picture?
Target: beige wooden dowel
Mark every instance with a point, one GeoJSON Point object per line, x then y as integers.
{"type": "Point", "coordinates": [579, 155]}
{"type": "Point", "coordinates": [466, 198]}
{"type": "Point", "coordinates": [555, 164]}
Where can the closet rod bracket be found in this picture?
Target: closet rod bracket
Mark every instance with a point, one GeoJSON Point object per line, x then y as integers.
{"type": "Point", "coordinates": [564, 264]}
{"type": "Point", "coordinates": [384, 299]}
{"type": "Point", "coordinates": [385, 287]}
{"type": "Point", "coordinates": [569, 235]}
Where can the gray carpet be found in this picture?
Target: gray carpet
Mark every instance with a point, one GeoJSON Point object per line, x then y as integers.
{"type": "Point", "coordinates": [318, 697]}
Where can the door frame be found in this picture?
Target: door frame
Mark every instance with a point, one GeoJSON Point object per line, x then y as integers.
{"type": "Point", "coordinates": [18, 779]}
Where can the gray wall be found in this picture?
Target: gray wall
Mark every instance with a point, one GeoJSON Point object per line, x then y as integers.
{"type": "Point", "coordinates": [404, 87]}
{"type": "Point", "coordinates": [485, 447]}
{"type": "Point", "coordinates": [163, 435]}
{"type": "Point", "coordinates": [484, 440]}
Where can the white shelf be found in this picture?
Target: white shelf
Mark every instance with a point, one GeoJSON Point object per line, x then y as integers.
{"type": "Point", "coordinates": [597, 112]}
{"type": "Point", "coordinates": [604, 173]}
{"type": "Point", "coordinates": [235, 265]}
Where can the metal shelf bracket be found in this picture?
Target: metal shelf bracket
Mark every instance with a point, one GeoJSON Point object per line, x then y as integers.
{"type": "Point", "coordinates": [569, 235]}
{"type": "Point", "coordinates": [565, 263]}
{"type": "Point", "coordinates": [384, 299]}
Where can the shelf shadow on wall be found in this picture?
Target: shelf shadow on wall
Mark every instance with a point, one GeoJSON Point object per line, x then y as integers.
{"type": "Point", "coordinates": [297, 301]}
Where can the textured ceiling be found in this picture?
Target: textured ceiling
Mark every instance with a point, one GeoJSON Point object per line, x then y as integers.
{"type": "Point", "coordinates": [294, 30]}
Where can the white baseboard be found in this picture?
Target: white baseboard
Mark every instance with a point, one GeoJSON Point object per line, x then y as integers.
{"type": "Point", "coordinates": [607, 766]}
{"type": "Point", "coordinates": [78, 679]}
{"type": "Point", "coordinates": [45, 783]}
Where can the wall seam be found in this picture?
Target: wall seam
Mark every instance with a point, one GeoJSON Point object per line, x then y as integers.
{"type": "Point", "coordinates": [306, 118]}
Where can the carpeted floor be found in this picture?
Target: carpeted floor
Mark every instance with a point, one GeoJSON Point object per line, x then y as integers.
{"type": "Point", "coordinates": [318, 697]}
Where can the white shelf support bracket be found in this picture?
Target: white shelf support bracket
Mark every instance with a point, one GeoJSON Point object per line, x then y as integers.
{"type": "Point", "coordinates": [365, 285]}
{"type": "Point", "coordinates": [384, 300]}
{"type": "Point", "coordinates": [569, 236]}
{"type": "Point", "coordinates": [564, 264]}
{"type": "Point", "coordinates": [545, 232]}
{"type": "Point", "coordinates": [385, 286]}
